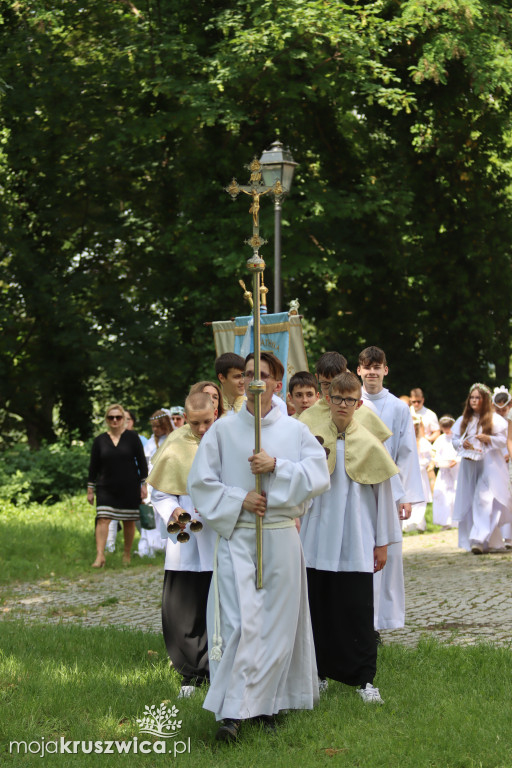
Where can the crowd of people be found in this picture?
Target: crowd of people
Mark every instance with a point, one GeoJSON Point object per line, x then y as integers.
{"type": "Point", "coordinates": [345, 468]}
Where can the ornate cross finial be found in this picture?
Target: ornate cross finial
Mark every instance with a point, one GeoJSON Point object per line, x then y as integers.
{"type": "Point", "coordinates": [255, 189]}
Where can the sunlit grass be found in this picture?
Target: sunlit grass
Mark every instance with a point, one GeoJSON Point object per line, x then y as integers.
{"type": "Point", "coordinates": [445, 707]}
{"type": "Point", "coordinates": [39, 542]}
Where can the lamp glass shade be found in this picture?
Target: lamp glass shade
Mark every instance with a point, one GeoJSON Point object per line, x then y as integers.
{"type": "Point", "coordinates": [277, 164]}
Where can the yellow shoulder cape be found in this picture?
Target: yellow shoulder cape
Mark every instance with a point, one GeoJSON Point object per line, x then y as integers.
{"type": "Point", "coordinates": [366, 459]}
{"type": "Point", "coordinates": [237, 405]}
{"type": "Point", "coordinates": [172, 462]}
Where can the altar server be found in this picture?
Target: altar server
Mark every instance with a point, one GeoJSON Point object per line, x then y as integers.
{"type": "Point", "coordinates": [389, 591]}
{"type": "Point", "coordinates": [188, 564]}
{"type": "Point", "coordinates": [262, 656]}
{"type": "Point", "coordinates": [345, 539]}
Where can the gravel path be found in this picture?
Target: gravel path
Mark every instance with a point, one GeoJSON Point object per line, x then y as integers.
{"type": "Point", "coordinates": [451, 595]}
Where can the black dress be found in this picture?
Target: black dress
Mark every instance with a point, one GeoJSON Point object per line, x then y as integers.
{"type": "Point", "coordinates": [118, 471]}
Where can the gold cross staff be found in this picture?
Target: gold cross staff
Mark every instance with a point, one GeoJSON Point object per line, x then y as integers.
{"type": "Point", "coordinates": [256, 266]}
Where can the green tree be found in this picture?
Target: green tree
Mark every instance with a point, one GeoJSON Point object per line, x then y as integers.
{"type": "Point", "coordinates": [120, 126]}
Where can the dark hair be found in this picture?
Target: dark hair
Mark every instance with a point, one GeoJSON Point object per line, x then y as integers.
{"type": "Point", "coordinates": [345, 382]}
{"type": "Point", "coordinates": [302, 379]}
{"type": "Point", "coordinates": [131, 414]}
{"type": "Point", "coordinates": [228, 360]}
{"type": "Point", "coordinates": [372, 356]}
{"type": "Point", "coordinates": [331, 364]}
{"type": "Point", "coordinates": [273, 362]}
{"type": "Point", "coordinates": [199, 387]}
{"type": "Point", "coordinates": [417, 392]}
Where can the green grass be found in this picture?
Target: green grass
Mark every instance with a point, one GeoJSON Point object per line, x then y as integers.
{"type": "Point", "coordinates": [431, 528]}
{"type": "Point", "coordinates": [40, 542]}
{"type": "Point", "coordinates": [445, 707]}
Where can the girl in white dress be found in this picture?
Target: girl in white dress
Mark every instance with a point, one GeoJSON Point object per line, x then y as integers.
{"type": "Point", "coordinates": [482, 500]}
{"type": "Point", "coordinates": [151, 541]}
{"type": "Point", "coordinates": [417, 521]}
{"type": "Point", "coordinates": [447, 462]}
{"type": "Point", "coordinates": [502, 402]}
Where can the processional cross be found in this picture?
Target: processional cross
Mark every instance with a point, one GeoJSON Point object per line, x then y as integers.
{"type": "Point", "coordinates": [256, 266]}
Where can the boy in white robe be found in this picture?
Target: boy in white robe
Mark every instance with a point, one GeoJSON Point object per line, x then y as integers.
{"type": "Point", "coordinates": [188, 564]}
{"type": "Point", "coordinates": [318, 416]}
{"type": "Point", "coordinates": [229, 369]}
{"type": "Point", "coordinates": [389, 590]}
{"type": "Point", "coordinates": [302, 392]}
{"type": "Point", "coordinates": [345, 539]}
{"type": "Point", "coordinates": [262, 657]}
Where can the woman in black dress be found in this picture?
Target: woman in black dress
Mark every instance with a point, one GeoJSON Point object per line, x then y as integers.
{"type": "Point", "coordinates": [117, 476]}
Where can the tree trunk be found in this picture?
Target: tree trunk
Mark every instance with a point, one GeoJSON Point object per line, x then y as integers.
{"type": "Point", "coordinates": [39, 424]}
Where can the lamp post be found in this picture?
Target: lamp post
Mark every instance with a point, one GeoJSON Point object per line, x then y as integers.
{"type": "Point", "coordinates": [277, 164]}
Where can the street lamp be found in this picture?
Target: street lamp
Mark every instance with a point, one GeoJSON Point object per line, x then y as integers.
{"type": "Point", "coordinates": [277, 164]}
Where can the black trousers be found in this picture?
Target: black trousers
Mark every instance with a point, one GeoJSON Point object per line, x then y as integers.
{"type": "Point", "coordinates": [184, 598]}
{"type": "Point", "coordinates": [341, 606]}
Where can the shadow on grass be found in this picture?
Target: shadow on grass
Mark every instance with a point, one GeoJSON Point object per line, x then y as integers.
{"type": "Point", "coordinates": [445, 707]}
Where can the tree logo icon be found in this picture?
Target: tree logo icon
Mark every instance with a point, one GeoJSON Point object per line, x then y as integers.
{"type": "Point", "coordinates": [160, 722]}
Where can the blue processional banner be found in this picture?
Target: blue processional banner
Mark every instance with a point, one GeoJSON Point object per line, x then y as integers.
{"type": "Point", "coordinates": [274, 337]}
{"type": "Point", "coordinates": [281, 333]}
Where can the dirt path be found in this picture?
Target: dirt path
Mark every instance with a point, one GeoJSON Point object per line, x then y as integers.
{"type": "Point", "coordinates": [450, 594]}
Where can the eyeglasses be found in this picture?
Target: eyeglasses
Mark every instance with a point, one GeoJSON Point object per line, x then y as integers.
{"type": "Point", "coordinates": [416, 401]}
{"type": "Point", "coordinates": [249, 375]}
{"type": "Point", "coordinates": [114, 417]}
{"type": "Point", "coordinates": [338, 400]}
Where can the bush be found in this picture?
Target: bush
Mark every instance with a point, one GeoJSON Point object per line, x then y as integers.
{"type": "Point", "coordinates": [46, 475]}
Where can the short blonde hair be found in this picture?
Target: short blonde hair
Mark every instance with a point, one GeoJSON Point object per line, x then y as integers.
{"type": "Point", "coordinates": [113, 407]}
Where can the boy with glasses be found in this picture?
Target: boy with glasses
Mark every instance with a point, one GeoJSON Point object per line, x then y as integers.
{"type": "Point", "coordinates": [345, 538]}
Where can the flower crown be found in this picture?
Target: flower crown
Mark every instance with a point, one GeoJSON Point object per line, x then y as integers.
{"type": "Point", "coordinates": [480, 387]}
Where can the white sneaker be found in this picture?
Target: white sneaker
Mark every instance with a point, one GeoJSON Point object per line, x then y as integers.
{"type": "Point", "coordinates": [186, 691]}
{"type": "Point", "coordinates": [370, 694]}
{"type": "Point", "coordinates": [322, 685]}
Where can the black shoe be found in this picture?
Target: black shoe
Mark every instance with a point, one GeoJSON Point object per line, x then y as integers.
{"type": "Point", "coordinates": [269, 722]}
{"type": "Point", "coordinates": [229, 730]}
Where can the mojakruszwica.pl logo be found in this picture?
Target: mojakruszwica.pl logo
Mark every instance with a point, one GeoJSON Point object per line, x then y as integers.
{"type": "Point", "coordinates": [155, 721]}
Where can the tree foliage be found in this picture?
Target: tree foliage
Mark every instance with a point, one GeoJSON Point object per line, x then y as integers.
{"type": "Point", "coordinates": [119, 126]}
